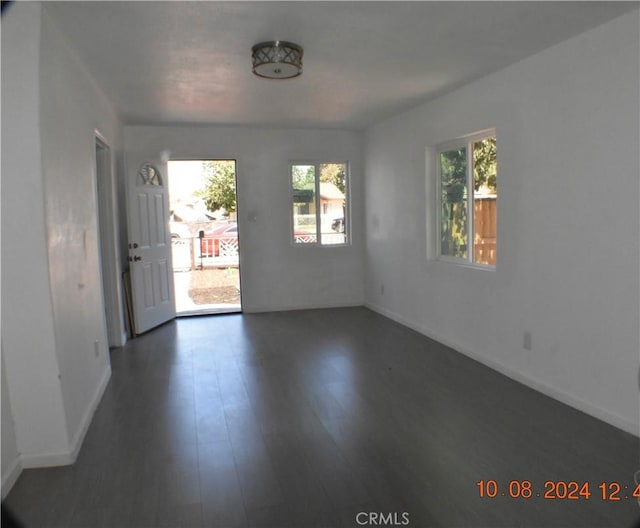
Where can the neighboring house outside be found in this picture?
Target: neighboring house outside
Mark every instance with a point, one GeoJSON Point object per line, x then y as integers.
{"type": "Point", "coordinates": [190, 211]}
{"type": "Point", "coordinates": [332, 202]}
{"type": "Point", "coordinates": [189, 217]}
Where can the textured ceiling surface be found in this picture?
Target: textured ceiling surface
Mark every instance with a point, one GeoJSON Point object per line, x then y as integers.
{"type": "Point", "coordinates": [190, 62]}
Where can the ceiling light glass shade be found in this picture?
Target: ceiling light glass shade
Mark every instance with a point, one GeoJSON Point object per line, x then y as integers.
{"type": "Point", "coordinates": [277, 59]}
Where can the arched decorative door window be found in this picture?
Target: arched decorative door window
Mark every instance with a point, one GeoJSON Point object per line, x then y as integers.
{"type": "Point", "coordinates": [149, 175]}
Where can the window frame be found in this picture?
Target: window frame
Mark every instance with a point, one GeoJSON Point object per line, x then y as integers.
{"type": "Point", "coordinates": [467, 143]}
{"type": "Point", "coordinates": [318, 213]}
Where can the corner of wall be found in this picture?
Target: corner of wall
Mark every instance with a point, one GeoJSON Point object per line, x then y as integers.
{"type": "Point", "coordinates": [68, 456]}
{"type": "Point", "coordinates": [78, 438]}
{"type": "Point", "coordinates": [11, 462]}
{"type": "Point", "coordinates": [10, 476]}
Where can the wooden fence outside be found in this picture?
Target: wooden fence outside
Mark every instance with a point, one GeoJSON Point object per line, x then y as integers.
{"type": "Point", "coordinates": [485, 230]}
{"type": "Point", "coordinates": [196, 253]}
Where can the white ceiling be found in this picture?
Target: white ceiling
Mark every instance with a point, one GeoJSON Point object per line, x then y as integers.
{"type": "Point", "coordinates": [189, 62]}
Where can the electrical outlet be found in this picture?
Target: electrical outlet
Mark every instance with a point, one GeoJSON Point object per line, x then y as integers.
{"type": "Point", "coordinates": [526, 341]}
{"type": "Point", "coordinates": [96, 348]}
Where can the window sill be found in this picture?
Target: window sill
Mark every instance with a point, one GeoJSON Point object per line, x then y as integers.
{"type": "Point", "coordinates": [464, 264]}
{"type": "Point", "coordinates": [298, 244]}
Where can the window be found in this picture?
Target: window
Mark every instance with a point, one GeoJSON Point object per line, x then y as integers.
{"type": "Point", "coordinates": [319, 202]}
{"type": "Point", "coordinates": [467, 189]}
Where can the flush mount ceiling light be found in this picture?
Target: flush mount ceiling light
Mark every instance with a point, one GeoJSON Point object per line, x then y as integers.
{"type": "Point", "coordinates": [277, 59]}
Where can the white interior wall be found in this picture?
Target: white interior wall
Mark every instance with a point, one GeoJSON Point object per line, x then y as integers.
{"type": "Point", "coordinates": [72, 109]}
{"type": "Point", "coordinates": [28, 341]}
{"type": "Point", "coordinates": [52, 295]}
{"type": "Point", "coordinates": [276, 275]}
{"type": "Point", "coordinates": [11, 465]}
{"type": "Point", "coordinates": [568, 225]}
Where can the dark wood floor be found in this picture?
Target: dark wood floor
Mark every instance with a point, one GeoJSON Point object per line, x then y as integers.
{"type": "Point", "coordinates": [306, 419]}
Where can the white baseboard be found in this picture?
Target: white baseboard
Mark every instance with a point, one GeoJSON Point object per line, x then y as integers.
{"type": "Point", "coordinates": [291, 307]}
{"type": "Point", "coordinates": [10, 475]}
{"type": "Point", "coordinates": [121, 341]}
{"type": "Point", "coordinates": [76, 444]}
{"type": "Point", "coordinates": [65, 458]}
{"type": "Point", "coordinates": [534, 383]}
{"type": "Point", "coordinates": [49, 459]}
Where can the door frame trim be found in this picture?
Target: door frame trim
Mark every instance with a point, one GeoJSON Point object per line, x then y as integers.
{"type": "Point", "coordinates": [108, 229]}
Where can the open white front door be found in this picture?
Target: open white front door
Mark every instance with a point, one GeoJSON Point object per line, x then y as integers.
{"type": "Point", "coordinates": [150, 248]}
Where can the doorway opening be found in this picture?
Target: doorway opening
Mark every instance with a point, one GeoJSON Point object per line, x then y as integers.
{"type": "Point", "coordinates": [108, 244]}
{"type": "Point", "coordinates": [205, 246]}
